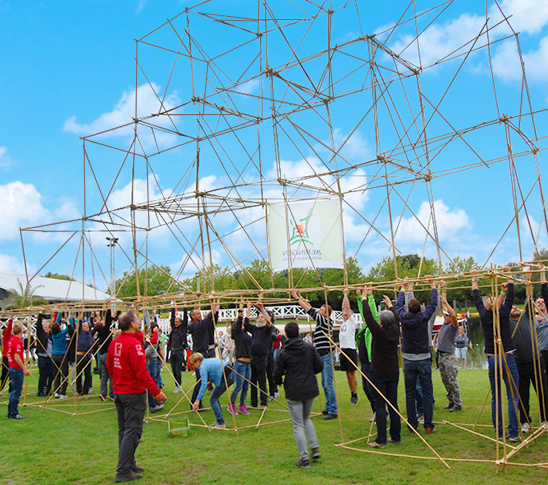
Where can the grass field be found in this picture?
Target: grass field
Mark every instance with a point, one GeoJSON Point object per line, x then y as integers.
{"type": "Point", "coordinates": [53, 447]}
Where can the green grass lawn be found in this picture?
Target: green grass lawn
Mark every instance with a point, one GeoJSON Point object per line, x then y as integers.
{"type": "Point", "coordinates": [50, 447]}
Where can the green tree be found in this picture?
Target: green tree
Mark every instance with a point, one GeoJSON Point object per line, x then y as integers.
{"type": "Point", "coordinates": [58, 276]}
{"type": "Point", "coordinates": [24, 297]}
{"type": "Point", "coordinates": [152, 281]}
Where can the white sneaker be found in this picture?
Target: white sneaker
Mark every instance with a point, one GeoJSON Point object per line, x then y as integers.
{"type": "Point", "coordinates": [218, 425]}
{"type": "Point", "coordinates": [276, 395]}
{"type": "Point", "coordinates": [63, 396]}
{"type": "Point", "coordinates": [525, 428]}
{"type": "Point", "coordinates": [177, 390]}
{"type": "Point", "coordinates": [56, 395]}
{"type": "Point", "coordinates": [545, 424]}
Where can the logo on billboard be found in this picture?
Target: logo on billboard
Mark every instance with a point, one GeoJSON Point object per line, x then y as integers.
{"type": "Point", "coordinates": [300, 231]}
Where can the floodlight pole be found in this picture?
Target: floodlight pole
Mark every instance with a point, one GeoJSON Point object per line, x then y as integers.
{"type": "Point", "coordinates": [112, 244]}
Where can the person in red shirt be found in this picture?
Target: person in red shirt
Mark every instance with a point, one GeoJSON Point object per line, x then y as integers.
{"type": "Point", "coordinates": [130, 379]}
{"type": "Point", "coordinates": [5, 366]}
{"type": "Point", "coordinates": [17, 370]}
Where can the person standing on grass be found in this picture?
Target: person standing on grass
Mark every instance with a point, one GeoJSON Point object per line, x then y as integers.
{"type": "Point", "coordinates": [44, 345]}
{"type": "Point", "coordinates": [242, 366]}
{"type": "Point", "coordinates": [462, 343]}
{"type": "Point", "coordinates": [17, 370]}
{"type": "Point", "coordinates": [384, 372]}
{"type": "Point", "coordinates": [349, 355]}
{"type": "Point", "coordinates": [178, 344]}
{"type": "Point", "coordinates": [261, 343]}
{"type": "Point", "coordinates": [506, 364]}
{"type": "Point", "coordinates": [127, 366]}
{"type": "Point", "coordinates": [59, 354]}
{"type": "Point", "coordinates": [299, 362]}
{"type": "Point", "coordinates": [322, 334]}
{"type": "Point", "coordinates": [447, 358]}
{"type": "Point", "coordinates": [6, 336]}
{"type": "Point", "coordinates": [417, 359]}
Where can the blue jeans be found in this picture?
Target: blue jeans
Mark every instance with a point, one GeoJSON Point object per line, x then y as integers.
{"type": "Point", "coordinates": [420, 370]}
{"type": "Point", "coordinates": [160, 382]}
{"type": "Point", "coordinates": [366, 369]}
{"type": "Point", "coordinates": [16, 378]}
{"type": "Point", "coordinates": [152, 368]}
{"type": "Point", "coordinates": [216, 394]}
{"type": "Point", "coordinates": [242, 376]}
{"type": "Point", "coordinates": [327, 384]}
{"type": "Point", "coordinates": [511, 394]}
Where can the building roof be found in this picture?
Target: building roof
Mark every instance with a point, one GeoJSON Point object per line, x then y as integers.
{"type": "Point", "coordinates": [51, 289]}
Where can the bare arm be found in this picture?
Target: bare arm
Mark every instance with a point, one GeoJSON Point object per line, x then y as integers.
{"type": "Point", "coordinates": [346, 302]}
{"type": "Point", "coordinates": [304, 304]}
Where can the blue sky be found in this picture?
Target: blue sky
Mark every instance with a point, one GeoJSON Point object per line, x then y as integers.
{"type": "Point", "coordinates": [68, 70]}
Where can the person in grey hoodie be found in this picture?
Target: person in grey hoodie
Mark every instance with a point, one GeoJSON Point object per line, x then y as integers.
{"type": "Point", "coordinates": [300, 362]}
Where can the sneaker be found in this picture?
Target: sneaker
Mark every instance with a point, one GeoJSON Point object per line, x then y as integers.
{"type": "Point", "coordinates": [218, 425]}
{"type": "Point", "coordinates": [302, 463]}
{"type": "Point", "coordinates": [102, 398]}
{"type": "Point", "coordinates": [373, 418]}
{"type": "Point", "coordinates": [456, 408]}
{"type": "Point", "coordinates": [17, 416]}
{"type": "Point", "coordinates": [374, 444]}
{"type": "Point", "coordinates": [270, 398]}
{"type": "Point", "coordinates": [138, 469]}
{"type": "Point", "coordinates": [155, 409]}
{"type": "Point", "coordinates": [129, 478]}
{"type": "Point", "coordinates": [354, 400]}
{"type": "Point", "coordinates": [63, 396]}
{"type": "Point", "coordinates": [177, 390]}
{"type": "Point", "coordinates": [324, 412]}
{"type": "Point", "coordinates": [231, 408]}
{"type": "Point", "coordinates": [56, 395]}
{"type": "Point", "coordinates": [329, 416]}
{"type": "Point", "coordinates": [513, 439]}
{"type": "Point", "coordinates": [525, 428]}
{"type": "Point", "coordinates": [276, 395]}
{"type": "Point", "coordinates": [544, 424]}
{"type": "Point", "coordinates": [449, 406]}
{"type": "Point", "coordinates": [111, 398]}
{"type": "Point", "coordinates": [242, 409]}
{"type": "Point", "coordinates": [390, 440]}
{"type": "Point", "coordinates": [430, 430]}
{"type": "Point", "coordinates": [316, 453]}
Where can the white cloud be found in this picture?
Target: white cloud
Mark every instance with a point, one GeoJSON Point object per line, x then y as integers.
{"type": "Point", "coordinates": [439, 40]}
{"type": "Point", "coordinates": [140, 6]}
{"type": "Point", "coordinates": [528, 16]}
{"type": "Point", "coordinates": [124, 112]}
{"type": "Point", "coordinates": [6, 161]}
{"type": "Point", "coordinates": [21, 205]}
{"type": "Point", "coordinates": [448, 222]}
{"type": "Point", "coordinates": [248, 87]}
{"type": "Point", "coordinates": [506, 62]}
{"type": "Point", "coordinates": [10, 264]}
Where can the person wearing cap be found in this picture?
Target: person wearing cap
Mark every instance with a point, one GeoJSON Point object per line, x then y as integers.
{"type": "Point", "coordinates": [261, 343]}
{"type": "Point", "coordinates": [447, 358]}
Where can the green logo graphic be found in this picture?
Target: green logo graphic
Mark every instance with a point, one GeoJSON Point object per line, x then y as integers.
{"type": "Point", "coordinates": [300, 231]}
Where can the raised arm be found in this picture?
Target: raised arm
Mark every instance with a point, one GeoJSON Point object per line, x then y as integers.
{"type": "Point", "coordinates": [296, 294]}
{"type": "Point", "coordinates": [448, 308]}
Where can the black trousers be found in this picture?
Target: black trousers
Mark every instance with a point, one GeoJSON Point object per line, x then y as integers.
{"type": "Point", "coordinates": [527, 377]}
{"type": "Point", "coordinates": [258, 377]}
{"type": "Point", "coordinates": [131, 412]}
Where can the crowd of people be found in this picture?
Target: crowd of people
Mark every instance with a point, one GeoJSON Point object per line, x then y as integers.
{"type": "Point", "coordinates": [257, 358]}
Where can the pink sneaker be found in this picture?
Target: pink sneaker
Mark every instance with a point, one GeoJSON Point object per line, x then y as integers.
{"type": "Point", "coordinates": [231, 408]}
{"type": "Point", "coordinates": [243, 409]}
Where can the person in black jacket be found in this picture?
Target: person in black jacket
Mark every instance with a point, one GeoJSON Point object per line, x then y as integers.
{"type": "Point", "coordinates": [178, 344]}
{"type": "Point", "coordinates": [44, 346]}
{"type": "Point", "coordinates": [385, 369]}
{"type": "Point", "coordinates": [300, 362]}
